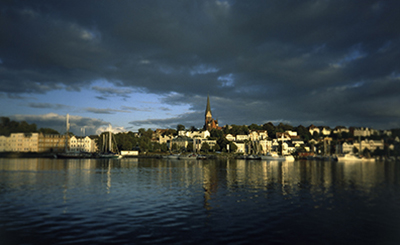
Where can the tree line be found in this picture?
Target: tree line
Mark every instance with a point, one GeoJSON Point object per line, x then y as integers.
{"type": "Point", "coordinates": [7, 127]}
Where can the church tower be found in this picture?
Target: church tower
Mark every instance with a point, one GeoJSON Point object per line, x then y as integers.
{"type": "Point", "coordinates": [208, 114]}
{"type": "Point", "coordinates": [209, 123]}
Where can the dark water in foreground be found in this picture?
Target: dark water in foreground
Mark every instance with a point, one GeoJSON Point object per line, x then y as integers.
{"type": "Point", "coordinates": [131, 201]}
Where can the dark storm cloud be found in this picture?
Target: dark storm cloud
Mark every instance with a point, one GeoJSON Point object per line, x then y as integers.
{"type": "Point", "coordinates": [334, 62]}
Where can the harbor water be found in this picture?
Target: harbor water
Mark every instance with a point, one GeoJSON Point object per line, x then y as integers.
{"type": "Point", "coordinates": [153, 201]}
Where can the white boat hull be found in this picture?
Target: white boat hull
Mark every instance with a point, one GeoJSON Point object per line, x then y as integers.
{"type": "Point", "coordinates": [276, 157]}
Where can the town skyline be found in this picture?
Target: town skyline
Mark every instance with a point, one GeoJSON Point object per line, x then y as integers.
{"type": "Point", "coordinates": [140, 64]}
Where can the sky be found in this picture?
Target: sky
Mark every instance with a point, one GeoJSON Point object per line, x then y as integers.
{"type": "Point", "coordinates": [152, 64]}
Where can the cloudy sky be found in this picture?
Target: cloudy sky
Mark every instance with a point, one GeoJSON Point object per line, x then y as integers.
{"type": "Point", "coordinates": [151, 64]}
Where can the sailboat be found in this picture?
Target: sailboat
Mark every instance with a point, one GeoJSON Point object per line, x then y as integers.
{"type": "Point", "coordinates": [107, 150]}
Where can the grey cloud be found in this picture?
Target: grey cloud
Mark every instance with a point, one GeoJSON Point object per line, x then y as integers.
{"type": "Point", "coordinates": [103, 110]}
{"type": "Point", "coordinates": [47, 106]}
{"type": "Point", "coordinates": [259, 60]}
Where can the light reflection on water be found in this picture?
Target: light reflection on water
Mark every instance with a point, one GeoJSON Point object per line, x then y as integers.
{"type": "Point", "coordinates": [184, 201]}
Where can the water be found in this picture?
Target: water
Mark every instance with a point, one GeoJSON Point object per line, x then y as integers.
{"type": "Point", "coordinates": [136, 201]}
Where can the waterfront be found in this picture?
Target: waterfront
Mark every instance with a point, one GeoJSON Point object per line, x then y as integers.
{"type": "Point", "coordinates": [127, 201]}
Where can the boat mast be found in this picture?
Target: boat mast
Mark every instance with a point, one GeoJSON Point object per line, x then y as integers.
{"type": "Point", "coordinates": [109, 140]}
{"type": "Point", "coordinates": [67, 133]}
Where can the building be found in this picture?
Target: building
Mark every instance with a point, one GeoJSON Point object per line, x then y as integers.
{"type": "Point", "coordinates": [364, 132]}
{"type": "Point", "coordinates": [313, 129]}
{"type": "Point", "coordinates": [32, 142]}
{"type": "Point", "coordinates": [82, 144]}
{"type": "Point", "coordinates": [20, 142]}
{"type": "Point", "coordinates": [4, 144]}
{"type": "Point", "coordinates": [51, 143]}
{"type": "Point", "coordinates": [209, 123]}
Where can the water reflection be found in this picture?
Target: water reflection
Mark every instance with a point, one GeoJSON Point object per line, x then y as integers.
{"type": "Point", "coordinates": [289, 176]}
{"type": "Point", "coordinates": [149, 200]}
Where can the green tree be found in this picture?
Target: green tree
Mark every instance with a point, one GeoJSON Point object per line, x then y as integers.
{"type": "Point", "coordinates": [48, 131]}
{"type": "Point", "coordinates": [174, 147]}
{"type": "Point", "coordinates": [216, 147]}
{"type": "Point", "coordinates": [189, 147]}
{"type": "Point", "coordinates": [232, 147]}
{"type": "Point", "coordinates": [205, 147]}
{"type": "Point", "coordinates": [303, 132]}
{"type": "Point", "coordinates": [216, 134]}
{"type": "Point", "coordinates": [255, 127]}
{"type": "Point", "coordinates": [180, 127]}
{"type": "Point", "coordinates": [270, 129]}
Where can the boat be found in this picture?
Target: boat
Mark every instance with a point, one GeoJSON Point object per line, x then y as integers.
{"type": "Point", "coordinates": [172, 156]}
{"type": "Point", "coordinates": [201, 157]}
{"type": "Point", "coordinates": [108, 150]}
{"type": "Point", "coordinates": [253, 157]}
{"type": "Point", "coordinates": [191, 156]}
{"type": "Point", "coordinates": [353, 157]}
{"type": "Point", "coordinates": [273, 156]}
{"type": "Point", "coordinates": [71, 154]}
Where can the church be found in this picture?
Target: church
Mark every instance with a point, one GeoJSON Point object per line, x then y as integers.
{"type": "Point", "coordinates": [210, 123]}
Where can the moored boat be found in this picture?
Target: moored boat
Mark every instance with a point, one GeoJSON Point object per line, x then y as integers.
{"type": "Point", "coordinates": [273, 156]}
{"type": "Point", "coordinates": [253, 157]}
{"type": "Point", "coordinates": [172, 156]}
{"type": "Point", "coordinates": [353, 157]}
{"type": "Point", "coordinates": [191, 156]}
{"type": "Point", "coordinates": [108, 150]}
{"type": "Point", "coordinates": [201, 157]}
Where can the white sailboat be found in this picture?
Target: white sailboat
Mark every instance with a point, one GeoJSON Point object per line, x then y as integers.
{"type": "Point", "coordinates": [107, 149]}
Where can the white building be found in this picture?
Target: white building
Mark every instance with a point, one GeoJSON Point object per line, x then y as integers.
{"type": "Point", "coordinates": [326, 131]}
{"type": "Point", "coordinates": [339, 130]}
{"type": "Point", "coordinates": [230, 137]}
{"type": "Point", "coordinates": [20, 142]}
{"type": "Point", "coordinates": [82, 144]}
{"type": "Point", "coordinates": [242, 137]}
{"type": "Point", "coordinates": [241, 147]}
{"type": "Point", "coordinates": [371, 145]}
{"type": "Point", "coordinates": [313, 129]}
{"type": "Point", "coordinates": [364, 132]}
{"type": "Point", "coordinates": [199, 134]}
{"type": "Point", "coordinates": [4, 144]}
{"type": "Point", "coordinates": [291, 133]}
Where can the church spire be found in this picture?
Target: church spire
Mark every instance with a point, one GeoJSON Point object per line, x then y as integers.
{"type": "Point", "coordinates": [208, 108]}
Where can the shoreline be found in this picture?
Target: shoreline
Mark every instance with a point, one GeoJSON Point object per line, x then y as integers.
{"type": "Point", "coordinates": [147, 155]}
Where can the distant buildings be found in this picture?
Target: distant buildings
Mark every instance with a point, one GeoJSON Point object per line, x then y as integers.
{"type": "Point", "coordinates": [38, 142]}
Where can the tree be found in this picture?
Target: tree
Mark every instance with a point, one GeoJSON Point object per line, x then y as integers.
{"type": "Point", "coordinates": [270, 128]}
{"type": "Point", "coordinates": [232, 147]}
{"type": "Point", "coordinates": [48, 131]}
{"type": "Point", "coordinates": [180, 127]}
{"type": "Point", "coordinates": [303, 133]}
{"type": "Point", "coordinates": [205, 147]}
{"type": "Point", "coordinates": [283, 127]}
{"type": "Point", "coordinates": [189, 147]}
{"type": "Point", "coordinates": [216, 147]}
{"type": "Point", "coordinates": [216, 134]}
{"type": "Point", "coordinates": [255, 127]}
{"type": "Point", "coordinates": [174, 147]}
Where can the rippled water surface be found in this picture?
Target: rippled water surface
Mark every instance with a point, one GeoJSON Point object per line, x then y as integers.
{"type": "Point", "coordinates": [131, 201]}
